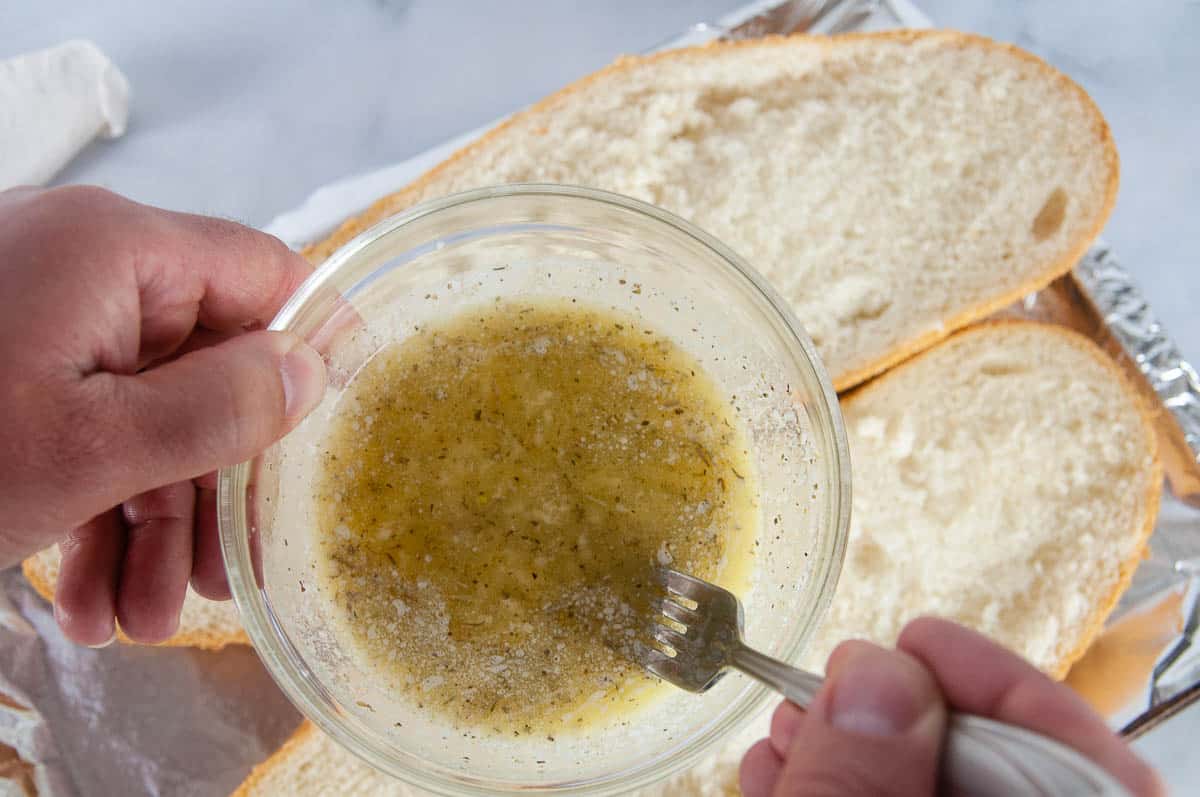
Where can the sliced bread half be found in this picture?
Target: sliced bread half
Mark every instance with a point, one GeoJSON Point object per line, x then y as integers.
{"type": "Point", "coordinates": [310, 764]}
{"type": "Point", "coordinates": [1006, 479]}
{"type": "Point", "coordinates": [893, 186]}
{"type": "Point", "coordinates": [202, 623]}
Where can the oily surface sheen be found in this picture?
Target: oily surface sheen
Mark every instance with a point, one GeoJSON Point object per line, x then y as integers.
{"type": "Point", "coordinates": [495, 494]}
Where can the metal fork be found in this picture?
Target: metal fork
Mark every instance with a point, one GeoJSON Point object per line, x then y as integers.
{"type": "Point", "coordinates": [980, 756]}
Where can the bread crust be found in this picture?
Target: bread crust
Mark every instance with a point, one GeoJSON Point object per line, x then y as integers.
{"type": "Point", "coordinates": [1095, 622]}
{"type": "Point", "coordinates": [293, 744]}
{"type": "Point", "coordinates": [406, 197]}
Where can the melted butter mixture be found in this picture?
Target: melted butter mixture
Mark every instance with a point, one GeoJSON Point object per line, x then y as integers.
{"type": "Point", "coordinates": [495, 494]}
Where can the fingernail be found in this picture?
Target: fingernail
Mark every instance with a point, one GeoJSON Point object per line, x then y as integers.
{"type": "Point", "coordinates": [112, 638]}
{"type": "Point", "coordinates": [303, 374]}
{"type": "Point", "coordinates": [876, 695]}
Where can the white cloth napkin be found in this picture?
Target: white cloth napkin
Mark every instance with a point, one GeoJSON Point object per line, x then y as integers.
{"type": "Point", "coordinates": [52, 104]}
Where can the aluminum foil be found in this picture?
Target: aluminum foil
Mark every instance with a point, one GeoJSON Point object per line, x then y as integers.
{"type": "Point", "coordinates": [126, 720]}
{"type": "Point", "coordinates": [1164, 597]}
{"type": "Point", "coordinates": [129, 720]}
{"type": "Point", "coordinates": [1128, 319]}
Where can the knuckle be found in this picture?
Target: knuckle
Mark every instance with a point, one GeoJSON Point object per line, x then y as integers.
{"type": "Point", "coordinates": [171, 502]}
{"type": "Point", "coordinates": [87, 209]}
{"type": "Point", "coordinates": [238, 237]}
{"type": "Point", "coordinates": [72, 222]}
{"type": "Point", "coordinates": [278, 266]}
{"type": "Point", "coordinates": [83, 196]}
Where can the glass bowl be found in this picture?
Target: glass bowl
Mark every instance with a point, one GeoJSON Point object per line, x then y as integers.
{"type": "Point", "coordinates": [612, 252]}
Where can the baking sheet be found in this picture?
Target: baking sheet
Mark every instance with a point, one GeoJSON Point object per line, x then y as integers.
{"type": "Point", "coordinates": [166, 721]}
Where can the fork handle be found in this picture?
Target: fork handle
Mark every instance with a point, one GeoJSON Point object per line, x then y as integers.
{"type": "Point", "coordinates": [980, 756]}
{"type": "Point", "coordinates": [797, 685]}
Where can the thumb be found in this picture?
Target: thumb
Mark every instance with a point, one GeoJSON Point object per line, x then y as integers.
{"type": "Point", "coordinates": [874, 729]}
{"type": "Point", "coordinates": [209, 409]}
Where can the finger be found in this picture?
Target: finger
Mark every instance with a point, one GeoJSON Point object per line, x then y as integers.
{"type": "Point", "coordinates": [206, 481]}
{"type": "Point", "coordinates": [158, 352]}
{"type": "Point", "coordinates": [978, 676]}
{"type": "Point", "coordinates": [208, 565]}
{"type": "Point", "coordinates": [213, 408]}
{"type": "Point", "coordinates": [784, 724]}
{"type": "Point", "coordinates": [875, 728]}
{"type": "Point", "coordinates": [157, 562]}
{"type": "Point", "coordinates": [85, 594]}
{"type": "Point", "coordinates": [152, 274]}
{"type": "Point", "coordinates": [11, 195]}
{"type": "Point", "coordinates": [235, 275]}
{"type": "Point", "coordinates": [163, 331]}
{"type": "Point", "coordinates": [760, 770]}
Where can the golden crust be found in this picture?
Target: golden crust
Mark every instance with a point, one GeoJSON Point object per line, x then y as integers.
{"type": "Point", "coordinates": [35, 573]}
{"type": "Point", "coordinates": [406, 197]}
{"type": "Point", "coordinates": [294, 742]}
{"type": "Point", "coordinates": [31, 568]}
{"type": "Point", "coordinates": [1154, 485]}
{"type": "Point", "coordinates": [1095, 622]}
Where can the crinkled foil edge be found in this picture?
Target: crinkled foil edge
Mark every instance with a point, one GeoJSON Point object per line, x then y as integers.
{"type": "Point", "coordinates": [1128, 316]}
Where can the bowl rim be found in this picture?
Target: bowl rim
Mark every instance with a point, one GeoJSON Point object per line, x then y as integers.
{"type": "Point", "coordinates": [283, 662]}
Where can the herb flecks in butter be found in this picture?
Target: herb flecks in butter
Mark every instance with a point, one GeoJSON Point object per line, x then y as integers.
{"type": "Point", "coordinates": [495, 494]}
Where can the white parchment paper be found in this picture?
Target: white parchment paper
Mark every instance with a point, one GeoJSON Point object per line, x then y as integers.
{"type": "Point", "coordinates": [129, 720]}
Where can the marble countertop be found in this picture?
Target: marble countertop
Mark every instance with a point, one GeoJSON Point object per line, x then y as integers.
{"type": "Point", "coordinates": [241, 109]}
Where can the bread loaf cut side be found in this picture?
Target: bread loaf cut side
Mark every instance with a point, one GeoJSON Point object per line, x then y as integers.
{"type": "Point", "coordinates": [202, 623]}
{"type": "Point", "coordinates": [310, 764]}
{"type": "Point", "coordinates": [1007, 479]}
{"type": "Point", "coordinates": [892, 186]}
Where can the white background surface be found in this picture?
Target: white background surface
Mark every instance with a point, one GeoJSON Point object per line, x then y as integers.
{"type": "Point", "coordinates": [242, 108]}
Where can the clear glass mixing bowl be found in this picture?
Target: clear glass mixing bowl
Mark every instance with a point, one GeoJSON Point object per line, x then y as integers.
{"type": "Point", "coordinates": [610, 251]}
